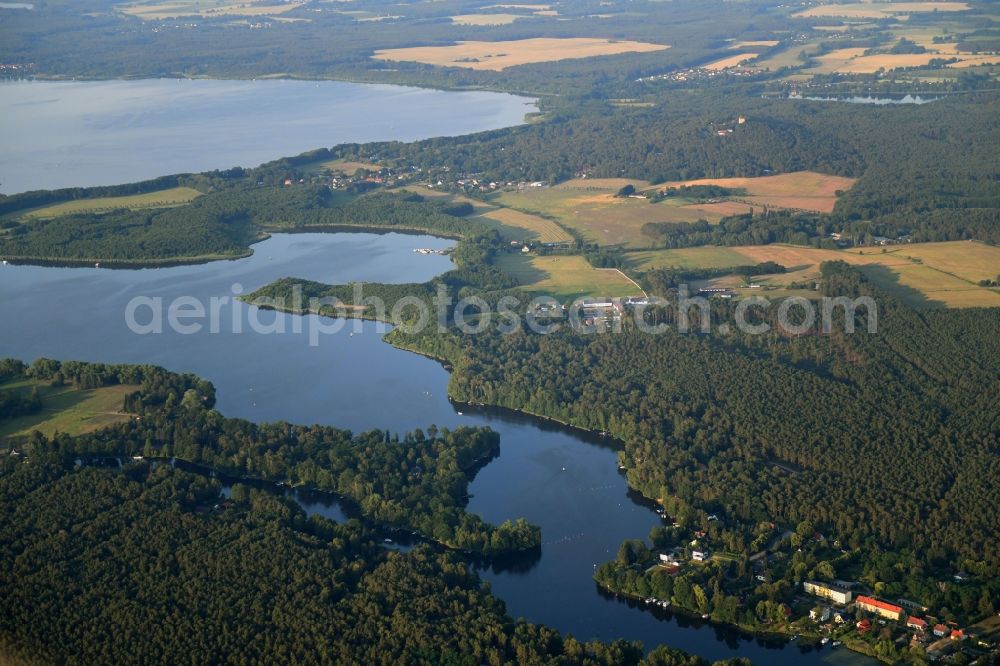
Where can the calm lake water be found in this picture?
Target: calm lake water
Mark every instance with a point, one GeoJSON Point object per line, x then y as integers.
{"type": "Point", "coordinates": [565, 481]}
{"type": "Point", "coordinates": [74, 134]}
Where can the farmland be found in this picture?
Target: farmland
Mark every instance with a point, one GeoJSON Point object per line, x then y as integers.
{"type": "Point", "coordinates": [926, 274]}
{"type": "Point", "coordinates": [160, 199]}
{"type": "Point", "coordinates": [486, 19]}
{"type": "Point", "coordinates": [68, 410]}
{"type": "Point", "coordinates": [500, 55]}
{"type": "Point", "coordinates": [590, 207]}
{"type": "Point", "coordinates": [515, 225]}
{"type": "Point", "coordinates": [805, 190]}
{"type": "Point", "coordinates": [566, 277]}
{"type": "Point", "coordinates": [729, 61]}
{"type": "Point", "coordinates": [157, 11]}
{"type": "Point", "coordinates": [879, 10]}
{"type": "Point", "coordinates": [853, 60]}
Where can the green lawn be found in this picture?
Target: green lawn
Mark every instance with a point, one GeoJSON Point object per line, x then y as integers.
{"type": "Point", "coordinates": [67, 409]}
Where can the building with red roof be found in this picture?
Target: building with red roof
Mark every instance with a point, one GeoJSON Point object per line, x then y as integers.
{"type": "Point", "coordinates": [880, 608]}
{"type": "Point", "coordinates": [916, 623]}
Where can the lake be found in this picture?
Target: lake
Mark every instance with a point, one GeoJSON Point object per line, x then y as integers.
{"type": "Point", "coordinates": [563, 480]}
{"type": "Point", "coordinates": [74, 134]}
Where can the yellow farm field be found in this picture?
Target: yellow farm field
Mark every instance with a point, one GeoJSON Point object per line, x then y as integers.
{"type": "Point", "coordinates": [566, 277]}
{"type": "Point", "coordinates": [515, 225]}
{"type": "Point", "coordinates": [878, 10]}
{"type": "Point", "coordinates": [591, 207]}
{"type": "Point", "coordinates": [766, 43]}
{"type": "Point", "coordinates": [160, 199]}
{"type": "Point", "coordinates": [729, 61]}
{"type": "Point", "coordinates": [853, 60]}
{"type": "Point", "coordinates": [157, 11]}
{"type": "Point", "coordinates": [500, 55]}
{"type": "Point", "coordinates": [922, 274]}
{"type": "Point", "coordinates": [486, 19]}
{"type": "Point", "coordinates": [805, 190]}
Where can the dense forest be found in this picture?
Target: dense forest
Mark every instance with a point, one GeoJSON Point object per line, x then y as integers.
{"type": "Point", "coordinates": [417, 482]}
{"type": "Point", "coordinates": [103, 566]}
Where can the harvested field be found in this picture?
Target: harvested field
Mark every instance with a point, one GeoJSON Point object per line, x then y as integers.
{"type": "Point", "coordinates": [879, 10]}
{"type": "Point", "coordinates": [805, 190]}
{"type": "Point", "coordinates": [921, 274]}
{"type": "Point", "coordinates": [730, 61]}
{"type": "Point", "coordinates": [497, 56]}
{"type": "Point", "coordinates": [486, 19]}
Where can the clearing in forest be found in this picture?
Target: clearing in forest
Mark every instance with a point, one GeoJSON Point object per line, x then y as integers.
{"type": "Point", "coordinates": [67, 409]}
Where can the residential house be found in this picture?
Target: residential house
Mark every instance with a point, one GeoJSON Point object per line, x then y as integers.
{"type": "Point", "coordinates": [820, 614]}
{"type": "Point", "coordinates": [941, 630]}
{"type": "Point", "coordinates": [916, 623]}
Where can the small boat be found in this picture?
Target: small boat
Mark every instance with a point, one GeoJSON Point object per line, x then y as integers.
{"type": "Point", "coordinates": [665, 604]}
{"type": "Point", "coordinates": [387, 540]}
{"type": "Point", "coordinates": [824, 641]}
{"type": "Point", "coordinates": [835, 644]}
{"type": "Point", "coordinates": [794, 638]}
{"type": "Point", "coordinates": [704, 616]}
{"type": "Point", "coordinates": [460, 414]}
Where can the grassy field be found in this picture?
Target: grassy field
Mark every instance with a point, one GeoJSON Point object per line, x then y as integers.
{"type": "Point", "coordinates": [497, 56]}
{"type": "Point", "coordinates": [566, 278]}
{"type": "Point", "coordinates": [590, 207]}
{"type": "Point", "coordinates": [157, 11]}
{"type": "Point", "coordinates": [515, 225]}
{"type": "Point", "coordinates": [69, 410]}
{"type": "Point", "coordinates": [160, 199]}
{"type": "Point", "coordinates": [806, 190]}
{"type": "Point", "coordinates": [921, 274]}
{"type": "Point", "coordinates": [879, 10]}
{"type": "Point", "coordinates": [346, 167]}
{"type": "Point", "coordinates": [786, 58]}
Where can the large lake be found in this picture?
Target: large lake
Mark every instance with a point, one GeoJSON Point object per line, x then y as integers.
{"type": "Point", "coordinates": [71, 134]}
{"type": "Point", "coordinates": [564, 481]}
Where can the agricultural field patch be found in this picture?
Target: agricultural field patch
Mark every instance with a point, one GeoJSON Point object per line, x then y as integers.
{"type": "Point", "coordinates": [590, 207]}
{"type": "Point", "coordinates": [516, 225]}
{"type": "Point", "coordinates": [879, 10]}
{"type": "Point", "coordinates": [157, 11]}
{"type": "Point", "coordinates": [486, 19]}
{"type": "Point", "coordinates": [803, 190]}
{"type": "Point", "coordinates": [566, 277]}
{"type": "Point", "coordinates": [500, 55]}
{"type": "Point", "coordinates": [921, 274]}
{"type": "Point", "coordinates": [175, 196]}
{"type": "Point", "coordinates": [729, 61]}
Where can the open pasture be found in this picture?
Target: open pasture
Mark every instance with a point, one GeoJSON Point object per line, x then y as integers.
{"type": "Point", "coordinates": [68, 410]}
{"type": "Point", "coordinates": [500, 55]}
{"type": "Point", "coordinates": [566, 277]}
{"type": "Point", "coordinates": [175, 196]}
{"type": "Point", "coordinates": [516, 225]}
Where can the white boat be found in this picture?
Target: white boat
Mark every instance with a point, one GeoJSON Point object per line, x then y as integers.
{"type": "Point", "coordinates": [824, 641]}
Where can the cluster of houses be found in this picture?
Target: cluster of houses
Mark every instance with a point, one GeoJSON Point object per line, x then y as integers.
{"type": "Point", "coordinates": [842, 594]}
